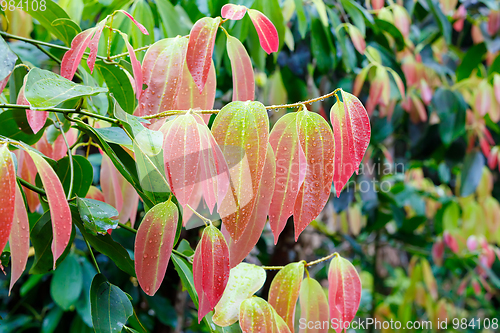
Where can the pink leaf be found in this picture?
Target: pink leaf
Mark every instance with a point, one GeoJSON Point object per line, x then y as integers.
{"type": "Point", "coordinates": [284, 291]}
{"type": "Point", "coordinates": [136, 66]}
{"type": "Point", "coordinates": [94, 44]}
{"type": "Point", "coordinates": [154, 244]}
{"type": "Point", "coordinates": [190, 98]}
{"type": "Point", "coordinates": [239, 250]}
{"type": "Point", "coordinates": [60, 213]}
{"type": "Point", "coordinates": [36, 119]}
{"type": "Point", "coordinates": [200, 49]}
{"type": "Point", "coordinates": [241, 129]}
{"type": "Point", "coordinates": [73, 56]}
{"type": "Point", "coordinates": [210, 268]}
{"type": "Point", "coordinates": [3, 83]}
{"type": "Point", "coordinates": [19, 238]}
{"type": "Point", "coordinates": [284, 140]}
{"type": "Point", "coordinates": [162, 72]}
{"type": "Point", "coordinates": [181, 154]}
{"type": "Point", "coordinates": [344, 291]}
{"type": "Point", "coordinates": [140, 26]}
{"type": "Point", "coordinates": [7, 194]}
{"type": "Point", "coordinates": [213, 171]}
{"type": "Point", "coordinates": [316, 141]}
{"type": "Point", "coordinates": [313, 306]}
{"type": "Point", "coordinates": [95, 193]}
{"type": "Point", "coordinates": [58, 149]}
{"type": "Point", "coordinates": [233, 12]}
{"type": "Point", "coordinates": [26, 169]}
{"type": "Point", "coordinates": [351, 130]}
{"type": "Point", "coordinates": [357, 39]}
{"type": "Point", "coordinates": [241, 66]}
{"type": "Point", "coordinates": [110, 184]}
{"type": "Point", "coordinates": [268, 35]}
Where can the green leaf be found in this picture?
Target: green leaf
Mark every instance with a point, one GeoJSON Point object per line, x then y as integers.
{"type": "Point", "coordinates": [97, 215]}
{"type": "Point", "coordinates": [171, 21]}
{"type": "Point", "coordinates": [82, 178]}
{"type": "Point", "coordinates": [14, 125]}
{"type": "Point", "coordinates": [51, 320]}
{"type": "Point", "coordinates": [471, 173]}
{"type": "Point", "coordinates": [471, 60]}
{"type": "Point", "coordinates": [52, 12]}
{"type": "Point", "coordinates": [390, 28]}
{"type": "Point", "coordinates": [115, 135]}
{"type": "Point", "coordinates": [119, 85]}
{"type": "Point", "coordinates": [451, 109]}
{"type": "Point", "coordinates": [7, 59]}
{"type": "Point", "coordinates": [301, 17]}
{"type": "Point", "coordinates": [441, 19]}
{"type": "Point", "coordinates": [185, 271]}
{"type": "Point", "coordinates": [83, 304]}
{"type": "Point", "coordinates": [320, 47]}
{"type": "Point", "coordinates": [45, 89]}
{"type": "Point", "coordinates": [106, 245]}
{"type": "Point", "coordinates": [355, 15]}
{"type": "Point", "coordinates": [141, 11]}
{"type": "Point", "coordinates": [110, 306]}
{"type": "Point", "coordinates": [41, 240]}
{"type": "Point", "coordinates": [66, 284]}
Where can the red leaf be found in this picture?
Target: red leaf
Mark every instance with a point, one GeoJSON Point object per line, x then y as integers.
{"type": "Point", "coordinates": [94, 44]}
{"type": "Point", "coordinates": [239, 250]}
{"type": "Point", "coordinates": [200, 49]}
{"type": "Point", "coordinates": [233, 12]}
{"type": "Point", "coordinates": [7, 194]}
{"type": "Point", "coordinates": [284, 291]}
{"type": "Point", "coordinates": [290, 171]}
{"type": "Point", "coordinates": [316, 141]}
{"type": "Point", "coordinates": [19, 239]}
{"type": "Point", "coordinates": [140, 26]}
{"type": "Point", "coordinates": [241, 66]}
{"type": "Point", "coordinates": [58, 149]}
{"type": "Point", "coordinates": [357, 38]}
{"type": "Point", "coordinates": [313, 306]}
{"type": "Point", "coordinates": [351, 130]}
{"type": "Point", "coordinates": [181, 154]}
{"type": "Point", "coordinates": [213, 172]}
{"type": "Point", "coordinates": [268, 35]}
{"type": "Point", "coordinates": [136, 66]}
{"type": "Point", "coordinates": [60, 213]}
{"type": "Point", "coordinates": [210, 268]}
{"type": "Point", "coordinates": [26, 169]}
{"type": "Point", "coordinates": [154, 244]}
{"type": "Point", "coordinates": [36, 119]}
{"type": "Point", "coordinates": [241, 129]}
{"type": "Point", "coordinates": [162, 72]}
{"type": "Point", "coordinates": [3, 83]}
{"type": "Point", "coordinates": [344, 291]}
{"type": "Point", "coordinates": [73, 56]}
{"type": "Point", "coordinates": [189, 96]}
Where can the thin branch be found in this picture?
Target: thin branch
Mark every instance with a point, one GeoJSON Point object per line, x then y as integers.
{"type": "Point", "coordinates": [126, 227]}
{"type": "Point", "coordinates": [203, 218]}
{"type": "Point", "coordinates": [322, 259]}
{"type": "Point", "coordinates": [126, 53]}
{"type": "Point", "coordinates": [27, 107]}
{"type": "Point", "coordinates": [92, 254]}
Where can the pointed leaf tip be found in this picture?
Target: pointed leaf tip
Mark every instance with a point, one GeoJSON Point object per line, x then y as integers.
{"type": "Point", "coordinates": [268, 35]}
{"type": "Point", "coordinates": [200, 49]}
{"type": "Point", "coordinates": [241, 67]}
{"type": "Point", "coordinates": [140, 26]}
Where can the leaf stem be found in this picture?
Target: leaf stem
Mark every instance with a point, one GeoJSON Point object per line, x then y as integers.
{"type": "Point", "coordinates": [188, 258]}
{"type": "Point", "coordinates": [31, 186]}
{"type": "Point", "coordinates": [92, 254]}
{"type": "Point", "coordinates": [126, 227]}
{"type": "Point", "coordinates": [126, 53]}
{"type": "Point", "coordinates": [203, 218]}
